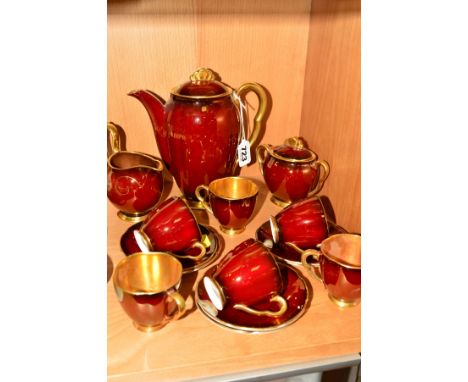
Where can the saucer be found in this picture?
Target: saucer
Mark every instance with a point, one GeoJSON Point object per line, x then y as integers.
{"type": "Point", "coordinates": [297, 293]}
{"type": "Point", "coordinates": [129, 245]}
{"type": "Point", "coordinates": [280, 250]}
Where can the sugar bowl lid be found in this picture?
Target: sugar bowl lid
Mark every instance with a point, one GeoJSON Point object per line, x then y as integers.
{"type": "Point", "coordinates": [202, 85]}
{"type": "Point", "coordinates": [293, 150]}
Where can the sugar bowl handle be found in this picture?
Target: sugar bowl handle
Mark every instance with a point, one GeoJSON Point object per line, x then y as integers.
{"type": "Point", "coordinates": [324, 172]}
{"type": "Point", "coordinates": [262, 151]}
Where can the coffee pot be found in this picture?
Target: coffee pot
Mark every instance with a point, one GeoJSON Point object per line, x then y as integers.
{"type": "Point", "coordinates": [199, 129]}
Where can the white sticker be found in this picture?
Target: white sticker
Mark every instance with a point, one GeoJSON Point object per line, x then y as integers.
{"type": "Point", "coordinates": [243, 153]}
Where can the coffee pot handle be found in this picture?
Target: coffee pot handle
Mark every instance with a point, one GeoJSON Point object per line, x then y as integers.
{"type": "Point", "coordinates": [262, 107]}
{"type": "Point", "coordinates": [201, 198]}
{"type": "Point", "coordinates": [180, 302]}
{"type": "Point", "coordinates": [114, 137]}
{"type": "Point", "coordinates": [323, 176]}
{"type": "Point", "coordinates": [283, 306]}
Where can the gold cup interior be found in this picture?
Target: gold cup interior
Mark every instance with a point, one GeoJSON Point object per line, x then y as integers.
{"type": "Point", "coordinates": [126, 159]}
{"type": "Point", "coordinates": [344, 249]}
{"type": "Point", "coordinates": [148, 273]}
{"type": "Point", "coordinates": [233, 188]}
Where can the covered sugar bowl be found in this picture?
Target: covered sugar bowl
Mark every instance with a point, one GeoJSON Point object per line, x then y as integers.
{"type": "Point", "coordinates": [291, 171]}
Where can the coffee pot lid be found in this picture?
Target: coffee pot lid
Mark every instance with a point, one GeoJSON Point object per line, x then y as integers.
{"type": "Point", "coordinates": [202, 85]}
{"type": "Point", "coordinates": [294, 150]}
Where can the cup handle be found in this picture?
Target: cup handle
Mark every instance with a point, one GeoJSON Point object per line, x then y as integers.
{"type": "Point", "coordinates": [202, 253]}
{"type": "Point", "coordinates": [262, 107]}
{"type": "Point", "coordinates": [201, 198]}
{"type": "Point", "coordinates": [114, 137]}
{"type": "Point", "coordinates": [283, 306]}
{"type": "Point", "coordinates": [180, 302]}
{"type": "Point", "coordinates": [261, 151]}
{"type": "Point", "coordinates": [323, 176]}
{"type": "Point", "coordinates": [304, 255]}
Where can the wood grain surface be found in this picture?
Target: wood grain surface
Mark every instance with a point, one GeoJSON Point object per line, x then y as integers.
{"type": "Point", "coordinates": [331, 111]}
{"type": "Point", "coordinates": [194, 347]}
{"type": "Point", "coordinates": [307, 56]}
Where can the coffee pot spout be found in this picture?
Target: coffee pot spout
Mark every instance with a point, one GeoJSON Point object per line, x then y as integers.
{"type": "Point", "coordinates": [155, 106]}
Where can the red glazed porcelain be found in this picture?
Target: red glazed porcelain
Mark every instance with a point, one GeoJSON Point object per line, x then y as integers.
{"type": "Point", "coordinates": [303, 223]}
{"type": "Point", "coordinates": [146, 287]}
{"type": "Point", "coordinates": [283, 251]}
{"type": "Point", "coordinates": [296, 292]}
{"type": "Point", "coordinates": [130, 245]}
{"type": "Point", "coordinates": [134, 180]}
{"type": "Point", "coordinates": [339, 260]}
{"type": "Point", "coordinates": [247, 275]}
{"type": "Point", "coordinates": [231, 200]}
{"type": "Point", "coordinates": [291, 171]}
{"type": "Point", "coordinates": [197, 131]}
{"type": "Point", "coordinates": [172, 227]}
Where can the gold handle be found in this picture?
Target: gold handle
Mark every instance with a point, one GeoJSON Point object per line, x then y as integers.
{"type": "Point", "coordinates": [261, 151]}
{"type": "Point", "coordinates": [114, 137]}
{"type": "Point", "coordinates": [202, 199]}
{"type": "Point", "coordinates": [283, 306]}
{"type": "Point", "coordinates": [262, 106]}
{"type": "Point", "coordinates": [180, 302]}
{"type": "Point", "coordinates": [323, 176]}
{"type": "Point", "coordinates": [304, 255]}
{"type": "Point", "coordinates": [198, 245]}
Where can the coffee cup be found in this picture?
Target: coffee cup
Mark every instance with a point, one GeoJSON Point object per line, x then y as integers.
{"type": "Point", "coordinates": [172, 227]}
{"type": "Point", "coordinates": [134, 180]}
{"type": "Point", "coordinates": [303, 223]}
{"type": "Point", "coordinates": [338, 263]}
{"type": "Point", "coordinates": [246, 276]}
{"type": "Point", "coordinates": [231, 200]}
{"type": "Point", "coordinates": [146, 286]}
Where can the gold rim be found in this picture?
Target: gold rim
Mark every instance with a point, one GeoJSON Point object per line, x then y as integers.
{"type": "Point", "coordinates": [342, 303]}
{"type": "Point", "coordinates": [147, 329]}
{"type": "Point", "coordinates": [247, 188]}
{"type": "Point", "coordinates": [231, 231]}
{"type": "Point", "coordinates": [170, 279]}
{"type": "Point", "coordinates": [205, 97]}
{"type": "Point", "coordinates": [335, 259]}
{"type": "Point", "coordinates": [279, 202]}
{"type": "Point", "coordinates": [274, 154]}
{"type": "Point", "coordinates": [129, 217]}
{"type": "Point", "coordinates": [158, 163]}
{"type": "Point", "coordinates": [193, 215]}
{"type": "Point", "coordinates": [253, 329]}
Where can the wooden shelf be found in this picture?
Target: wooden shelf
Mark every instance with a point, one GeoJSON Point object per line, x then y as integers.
{"type": "Point", "coordinates": [194, 348]}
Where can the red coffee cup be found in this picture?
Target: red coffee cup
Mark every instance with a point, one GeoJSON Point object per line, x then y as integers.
{"type": "Point", "coordinates": [231, 200]}
{"type": "Point", "coordinates": [134, 180]}
{"type": "Point", "coordinates": [146, 286]}
{"type": "Point", "coordinates": [291, 171]}
{"type": "Point", "coordinates": [172, 227]}
{"type": "Point", "coordinates": [247, 275]}
{"type": "Point", "coordinates": [339, 266]}
{"type": "Point", "coordinates": [303, 223]}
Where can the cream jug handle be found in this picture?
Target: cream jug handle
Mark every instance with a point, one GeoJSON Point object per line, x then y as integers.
{"type": "Point", "coordinates": [114, 137]}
